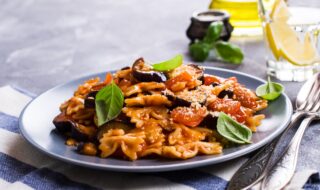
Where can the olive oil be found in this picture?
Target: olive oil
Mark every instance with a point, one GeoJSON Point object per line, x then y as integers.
{"type": "Point", "coordinates": [244, 15]}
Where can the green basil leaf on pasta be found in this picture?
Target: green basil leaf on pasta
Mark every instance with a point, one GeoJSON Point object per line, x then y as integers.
{"type": "Point", "coordinates": [232, 130]}
{"type": "Point", "coordinates": [169, 64]}
{"type": "Point", "coordinates": [229, 52]}
{"type": "Point", "coordinates": [270, 90]}
{"type": "Point", "coordinates": [109, 102]}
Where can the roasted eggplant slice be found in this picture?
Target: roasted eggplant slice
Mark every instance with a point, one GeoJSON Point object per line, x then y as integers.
{"type": "Point", "coordinates": [123, 118]}
{"type": "Point", "coordinates": [83, 133]}
{"type": "Point", "coordinates": [144, 73]}
{"type": "Point", "coordinates": [186, 98]}
{"type": "Point", "coordinates": [224, 93]}
{"type": "Point", "coordinates": [198, 71]}
{"type": "Point", "coordinates": [125, 68]}
{"type": "Point", "coordinates": [89, 101]}
{"type": "Point", "coordinates": [214, 84]}
{"type": "Point", "coordinates": [210, 120]}
{"type": "Point", "coordinates": [178, 101]}
{"type": "Point", "coordinates": [193, 96]}
{"type": "Point", "coordinates": [62, 123]}
{"type": "Point", "coordinates": [112, 125]}
{"type": "Point", "coordinates": [77, 131]}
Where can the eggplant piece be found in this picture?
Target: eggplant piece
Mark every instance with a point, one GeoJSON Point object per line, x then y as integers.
{"type": "Point", "coordinates": [178, 101]}
{"type": "Point", "coordinates": [123, 118]}
{"type": "Point", "coordinates": [89, 101]}
{"type": "Point", "coordinates": [186, 98]}
{"type": "Point", "coordinates": [125, 68]}
{"type": "Point", "coordinates": [63, 124]}
{"type": "Point", "coordinates": [83, 133]}
{"type": "Point", "coordinates": [193, 96]}
{"type": "Point", "coordinates": [198, 71]}
{"type": "Point", "coordinates": [210, 120]}
{"type": "Point", "coordinates": [144, 73]}
{"type": "Point", "coordinates": [224, 93]}
{"type": "Point", "coordinates": [70, 128]}
{"type": "Point", "coordinates": [214, 84]}
{"type": "Point", "coordinates": [112, 125]}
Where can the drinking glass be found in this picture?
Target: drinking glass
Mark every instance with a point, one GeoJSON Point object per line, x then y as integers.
{"type": "Point", "coordinates": [291, 35]}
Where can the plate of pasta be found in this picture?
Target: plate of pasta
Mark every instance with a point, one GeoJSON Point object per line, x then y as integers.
{"type": "Point", "coordinates": [154, 117]}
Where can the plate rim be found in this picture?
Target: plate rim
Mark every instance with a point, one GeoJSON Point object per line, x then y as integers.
{"type": "Point", "coordinates": [159, 168]}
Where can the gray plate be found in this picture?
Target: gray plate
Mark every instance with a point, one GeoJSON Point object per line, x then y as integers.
{"type": "Point", "coordinates": [36, 126]}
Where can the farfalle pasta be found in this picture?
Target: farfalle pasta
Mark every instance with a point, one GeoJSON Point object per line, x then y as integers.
{"type": "Point", "coordinates": [170, 114]}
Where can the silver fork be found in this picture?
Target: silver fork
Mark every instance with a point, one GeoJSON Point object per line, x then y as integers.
{"type": "Point", "coordinates": [261, 163]}
{"type": "Point", "coordinates": [283, 171]}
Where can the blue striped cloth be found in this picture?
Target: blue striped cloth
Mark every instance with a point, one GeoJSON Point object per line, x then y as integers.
{"type": "Point", "coordinates": [24, 167]}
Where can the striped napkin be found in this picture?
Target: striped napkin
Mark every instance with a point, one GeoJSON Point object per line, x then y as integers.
{"type": "Point", "coordinates": [24, 167]}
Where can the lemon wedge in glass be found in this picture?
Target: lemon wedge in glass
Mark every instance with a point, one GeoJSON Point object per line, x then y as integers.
{"type": "Point", "coordinates": [270, 30]}
{"type": "Point", "coordinates": [300, 54]}
{"type": "Point", "coordinates": [280, 11]}
{"type": "Point", "coordinates": [284, 40]}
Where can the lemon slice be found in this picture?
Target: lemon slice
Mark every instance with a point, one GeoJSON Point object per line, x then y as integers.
{"type": "Point", "coordinates": [280, 11]}
{"type": "Point", "coordinates": [269, 35]}
{"type": "Point", "coordinates": [284, 41]}
{"type": "Point", "coordinates": [300, 54]}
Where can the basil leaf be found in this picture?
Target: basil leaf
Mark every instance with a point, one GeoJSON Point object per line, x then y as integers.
{"type": "Point", "coordinates": [269, 91]}
{"type": "Point", "coordinates": [229, 52]}
{"type": "Point", "coordinates": [169, 64]}
{"type": "Point", "coordinates": [270, 86]}
{"type": "Point", "coordinates": [240, 131]}
{"type": "Point", "coordinates": [232, 130]}
{"type": "Point", "coordinates": [109, 102]}
{"type": "Point", "coordinates": [199, 51]}
{"type": "Point", "coordinates": [213, 32]}
{"type": "Point", "coordinates": [226, 133]}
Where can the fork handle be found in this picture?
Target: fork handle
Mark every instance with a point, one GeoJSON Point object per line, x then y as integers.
{"type": "Point", "coordinates": [254, 169]}
{"type": "Point", "coordinates": [282, 172]}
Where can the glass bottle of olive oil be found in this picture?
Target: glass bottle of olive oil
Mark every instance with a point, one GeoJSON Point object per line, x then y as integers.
{"type": "Point", "coordinates": [243, 15]}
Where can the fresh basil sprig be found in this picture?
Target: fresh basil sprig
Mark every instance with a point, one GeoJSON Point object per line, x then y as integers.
{"type": "Point", "coordinates": [213, 32]}
{"type": "Point", "coordinates": [199, 51]}
{"type": "Point", "coordinates": [109, 102]}
{"type": "Point", "coordinates": [269, 91]}
{"type": "Point", "coordinates": [169, 64]}
{"type": "Point", "coordinates": [224, 51]}
{"type": "Point", "coordinates": [228, 52]}
{"type": "Point", "coordinates": [232, 130]}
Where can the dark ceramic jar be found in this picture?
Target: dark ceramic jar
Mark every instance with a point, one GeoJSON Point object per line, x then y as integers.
{"type": "Point", "coordinates": [200, 22]}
